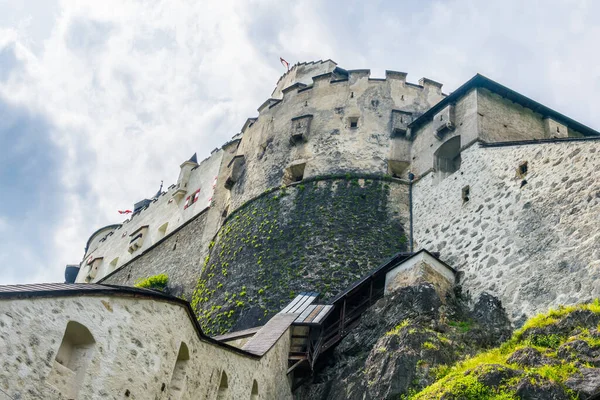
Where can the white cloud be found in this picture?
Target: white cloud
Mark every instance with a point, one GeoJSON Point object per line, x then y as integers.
{"type": "Point", "coordinates": [132, 88]}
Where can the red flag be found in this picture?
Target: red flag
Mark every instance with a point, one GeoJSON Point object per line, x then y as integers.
{"type": "Point", "coordinates": [285, 63]}
{"type": "Point", "coordinates": [125, 211]}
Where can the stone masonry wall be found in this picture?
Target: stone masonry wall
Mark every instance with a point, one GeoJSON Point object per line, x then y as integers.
{"type": "Point", "coordinates": [164, 212]}
{"type": "Point", "coordinates": [179, 256]}
{"type": "Point", "coordinates": [317, 235]}
{"type": "Point", "coordinates": [331, 146]}
{"type": "Point", "coordinates": [134, 355]}
{"type": "Point", "coordinates": [532, 240]}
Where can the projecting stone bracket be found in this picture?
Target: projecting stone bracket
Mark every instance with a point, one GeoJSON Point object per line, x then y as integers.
{"type": "Point", "coordinates": [236, 166]}
{"type": "Point", "coordinates": [443, 121]}
{"type": "Point", "coordinates": [400, 122]}
{"type": "Point", "coordinates": [300, 128]}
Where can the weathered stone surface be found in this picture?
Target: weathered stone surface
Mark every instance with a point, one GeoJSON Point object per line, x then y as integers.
{"type": "Point", "coordinates": [585, 383]}
{"type": "Point", "coordinates": [543, 236]}
{"type": "Point", "coordinates": [580, 351]}
{"type": "Point", "coordinates": [493, 375]}
{"type": "Point", "coordinates": [538, 388]}
{"type": "Point", "coordinates": [135, 343]}
{"type": "Point", "coordinates": [530, 357]}
{"type": "Point", "coordinates": [397, 346]}
{"type": "Point", "coordinates": [314, 236]}
{"type": "Point", "coordinates": [179, 256]}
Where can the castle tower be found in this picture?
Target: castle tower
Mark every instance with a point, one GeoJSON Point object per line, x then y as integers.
{"type": "Point", "coordinates": [313, 193]}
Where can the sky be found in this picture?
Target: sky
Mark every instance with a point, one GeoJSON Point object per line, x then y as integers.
{"type": "Point", "coordinates": [101, 100]}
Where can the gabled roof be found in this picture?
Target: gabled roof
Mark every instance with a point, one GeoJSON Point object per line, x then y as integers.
{"type": "Point", "coordinates": [383, 268]}
{"type": "Point", "coordinates": [480, 81]}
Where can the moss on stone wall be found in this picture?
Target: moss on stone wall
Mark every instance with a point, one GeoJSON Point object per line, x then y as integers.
{"type": "Point", "coordinates": [318, 236]}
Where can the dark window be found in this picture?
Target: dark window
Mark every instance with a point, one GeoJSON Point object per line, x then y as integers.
{"type": "Point", "coordinates": [466, 194]}
{"type": "Point", "coordinates": [523, 168]}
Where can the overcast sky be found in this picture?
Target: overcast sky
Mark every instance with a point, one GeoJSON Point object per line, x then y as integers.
{"type": "Point", "coordinates": [101, 101]}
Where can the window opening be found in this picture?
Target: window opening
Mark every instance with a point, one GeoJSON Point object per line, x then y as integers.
{"type": "Point", "coordinates": [523, 169]}
{"type": "Point", "coordinates": [353, 122]}
{"type": "Point", "coordinates": [254, 394]}
{"type": "Point", "coordinates": [223, 386]}
{"type": "Point", "coordinates": [191, 199]}
{"type": "Point", "coordinates": [294, 173]}
{"type": "Point", "coordinates": [466, 193]}
{"type": "Point", "coordinates": [72, 359]}
{"type": "Point", "coordinates": [178, 378]}
{"type": "Point", "coordinates": [447, 158]}
{"type": "Point", "coordinates": [113, 264]}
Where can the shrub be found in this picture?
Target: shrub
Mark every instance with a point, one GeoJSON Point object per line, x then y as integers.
{"type": "Point", "coordinates": [158, 282]}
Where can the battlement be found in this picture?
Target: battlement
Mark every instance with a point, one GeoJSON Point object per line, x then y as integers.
{"type": "Point", "coordinates": [302, 73]}
{"type": "Point", "coordinates": [322, 121]}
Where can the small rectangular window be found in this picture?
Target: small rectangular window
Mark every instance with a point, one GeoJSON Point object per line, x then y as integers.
{"type": "Point", "coordinates": [466, 194]}
{"type": "Point", "coordinates": [353, 122]}
{"type": "Point", "coordinates": [522, 171]}
{"type": "Point", "coordinates": [191, 199]}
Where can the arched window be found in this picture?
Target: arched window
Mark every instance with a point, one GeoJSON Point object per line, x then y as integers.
{"type": "Point", "coordinates": [178, 378]}
{"type": "Point", "coordinates": [254, 394]}
{"type": "Point", "coordinates": [74, 354]}
{"type": "Point", "coordinates": [447, 158]}
{"type": "Point", "coordinates": [223, 386]}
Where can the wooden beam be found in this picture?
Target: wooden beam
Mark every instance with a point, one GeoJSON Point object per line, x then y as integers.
{"type": "Point", "coordinates": [296, 364]}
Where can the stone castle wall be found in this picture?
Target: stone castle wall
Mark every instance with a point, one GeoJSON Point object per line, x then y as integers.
{"type": "Point", "coordinates": [340, 139]}
{"type": "Point", "coordinates": [179, 255]}
{"type": "Point", "coordinates": [531, 239]}
{"type": "Point", "coordinates": [162, 216]}
{"type": "Point", "coordinates": [134, 354]}
{"type": "Point", "coordinates": [318, 235]}
{"type": "Point", "coordinates": [331, 145]}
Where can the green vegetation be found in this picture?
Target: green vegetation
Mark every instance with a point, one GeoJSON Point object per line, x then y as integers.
{"type": "Point", "coordinates": [397, 328]}
{"type": "Point", "coordinates": [318, 235]}
{"type": "Point", "coordinates": [158, 282]}
{"type": "Point", "coordinates": [462, 380]}
{"type": "Point", "coordinates": [462, 326]}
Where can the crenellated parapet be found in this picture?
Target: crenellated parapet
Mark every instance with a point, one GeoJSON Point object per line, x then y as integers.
{"type": "Point", "coordinates": [338, 121]}
{"type": "Point", "coordinates": [321, 121]}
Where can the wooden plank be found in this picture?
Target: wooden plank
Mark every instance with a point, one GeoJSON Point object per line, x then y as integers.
{"type": "Point", "coordinates": [305, 313]}
{"type": "Point", "coordinates": [314, 313]}
{"type": "Point", "coordinates": [298, 303]}
{"type": "Point", "coordinates": [292, 304]}
{"type": "Point", "coordinates": [269, 334]}
{"type": "Point", "coordinates": [296, 364]}
{"type": "Point", "coordinates": [303, 304]}
{"type": "Point", "coordinates": [324, 312]}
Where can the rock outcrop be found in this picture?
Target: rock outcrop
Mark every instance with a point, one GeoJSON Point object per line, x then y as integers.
{"type": "Point", "coordinates": [414, 345]}
{"type": "Point", "coordinates": [403, 341]}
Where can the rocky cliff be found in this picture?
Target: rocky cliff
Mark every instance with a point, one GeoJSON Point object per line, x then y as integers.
{"type": "Point", "coordinates": [415, 345]}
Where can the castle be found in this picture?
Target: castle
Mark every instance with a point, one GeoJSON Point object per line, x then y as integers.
{"type": "Point", "coordinates": [341, 189]}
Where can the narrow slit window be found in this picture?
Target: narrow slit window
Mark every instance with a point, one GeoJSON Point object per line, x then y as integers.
{"type": "Point", "coordinates": [466, 194]}
{"type": "Point", "coordinates": [223, 386]}
{"type": "Point", "coordinates": [178, 378]}
{"type": "Point", "coordinates": [254, 394]}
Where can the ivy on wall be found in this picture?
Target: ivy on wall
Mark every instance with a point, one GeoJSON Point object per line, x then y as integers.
{"type": "Point", "coordinates": [319, 235]}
